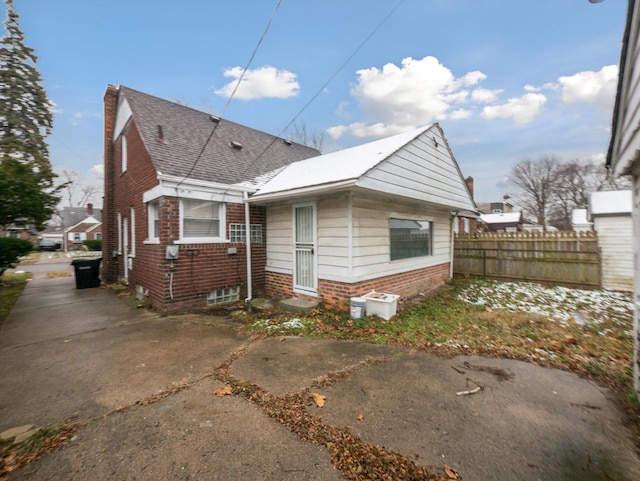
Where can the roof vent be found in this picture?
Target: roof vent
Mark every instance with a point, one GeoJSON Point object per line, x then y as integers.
{"type": "Point", "coordinates": [235, 145]}
{"type": "Point", "coordinates": [214, 119]}
{"type": "Point", "coordinates": [288, 142]}
{"type": "Point", "coordinates": [160, 133]}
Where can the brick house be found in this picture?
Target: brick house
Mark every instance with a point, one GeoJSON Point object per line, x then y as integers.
{"type": "Point", "coordinates": [175, 225]}
{"type": "Point", "coordinates": [80, 224]}
{"type": "Point", "coordinates": [379, 216]}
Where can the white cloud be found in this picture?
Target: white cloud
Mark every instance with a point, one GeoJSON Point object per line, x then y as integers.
{"type": "Point", "coordinates": [399, 98]}
{"type": "Point", "coordinates": [460, 114]}
{"type": "Point", "coordinates": [260, 83]}
{"type": "Point", "coordinates": [337, 131]}
{"type": "Point", "coordinates": [98, 171]}
{"type": "Point", "coordinates": [486, 96]}
{"type": "Point", "coordinates": [521, 109]}
{"type": "Point", "coordinates": [590, 87]}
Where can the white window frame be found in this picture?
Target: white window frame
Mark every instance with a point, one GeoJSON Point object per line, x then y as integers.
{"type": "Point", "coordinates": [207, 239]}
{"type": "Point", "coordinates": [124, 156]}
{"type": "Point", "coordinates": [132, 217]}
{"type": "Point", "coordinates": [153, 221]}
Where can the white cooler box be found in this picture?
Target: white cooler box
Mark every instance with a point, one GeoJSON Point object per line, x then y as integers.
{"type": "Point", "coordinates": [381, 304]}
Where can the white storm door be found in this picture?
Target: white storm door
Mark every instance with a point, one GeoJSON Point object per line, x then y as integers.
{"type": "Point", "coordinates": [304, 237]}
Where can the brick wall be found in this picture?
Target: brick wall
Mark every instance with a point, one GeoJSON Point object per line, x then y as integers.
{"type": "Point", "coordinates": [337, 295]}
{"type": "Point", "coordinates": [200, 268]}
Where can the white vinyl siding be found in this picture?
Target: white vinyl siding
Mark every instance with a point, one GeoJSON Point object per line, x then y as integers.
{"type": "Point", "coordinates": [406, 173]}
{"type": "Point", "coordinates": [615, 239]}
{"type": "Point", "coordinates": [360, 251]}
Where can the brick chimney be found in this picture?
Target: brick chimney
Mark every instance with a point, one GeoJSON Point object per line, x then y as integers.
{"type": "Point", "coordinates": [109, 218]}
{"type": "Point", "coordinates": [89, 209]}
{"type": "Point", "coordinates": [469, 182]}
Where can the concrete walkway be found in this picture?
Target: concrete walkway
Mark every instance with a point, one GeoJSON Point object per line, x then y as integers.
{"type": "Point", "coordinates": [146, 384]}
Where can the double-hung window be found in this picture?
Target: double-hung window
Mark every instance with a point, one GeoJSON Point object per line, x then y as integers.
{"type": "Point", "coordinates": [153, 215]}
{"type": "Point", "coordinates": [201, 220]}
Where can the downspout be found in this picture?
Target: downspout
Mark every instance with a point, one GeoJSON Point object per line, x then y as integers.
{"type": "Point", "coordinates": [247, 223]}
{"type": "Point", "coordinates": [454, 219]}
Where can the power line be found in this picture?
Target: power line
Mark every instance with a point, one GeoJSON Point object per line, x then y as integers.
{"type": "Point", "coordinates": [333, 76]}
{"type": "Point", "coordinates": [235, 89]}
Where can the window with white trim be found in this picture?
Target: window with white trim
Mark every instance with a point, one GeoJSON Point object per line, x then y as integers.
{"type": "Point", "coordinates": [223, 295]}
{"type": "Point", "coordinates": [153, 220]}
{"type": "Point", "coordinates": [410, 238]}
{"type": "Point", "coordinates": [201, 220]}
{"type": "Point", "coordinates": [238, 233]}
{"type": "Point", "coordinates": [124, 153]}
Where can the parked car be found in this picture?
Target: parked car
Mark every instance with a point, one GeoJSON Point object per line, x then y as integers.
{"type": "Point", "coordinates": [48, 245]}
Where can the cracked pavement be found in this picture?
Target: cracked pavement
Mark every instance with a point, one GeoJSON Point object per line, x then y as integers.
{"type": "Point", "coordinates": [144, 384]}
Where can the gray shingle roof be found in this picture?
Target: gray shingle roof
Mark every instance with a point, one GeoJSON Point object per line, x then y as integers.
{"type": "Point", "coordinates": [185, 131]}
{"type": "Point", "coordinates": [73, 215]}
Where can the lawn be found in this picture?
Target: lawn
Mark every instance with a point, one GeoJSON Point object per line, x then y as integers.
{"type": "Point", "coordinates": [584, 331]}
{"type": "Point", "coordinates": [10, 289]}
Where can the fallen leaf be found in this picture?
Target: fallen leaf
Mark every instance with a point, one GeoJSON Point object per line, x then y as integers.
{"type": "Point", "coordinates": [451, 473]}
{"type": "Point", "coordinates": [360, 417]}
{"type": "Point", "coordinates": [67, 340]}
{"type": "Point", "coordinates": [319, 399]}
{"type": "Point", "coordinates": [223, 391]}
{"type": "Point", "coordinates": [570, 340]}
{"type": "Point", "coordinates": [488, 309]}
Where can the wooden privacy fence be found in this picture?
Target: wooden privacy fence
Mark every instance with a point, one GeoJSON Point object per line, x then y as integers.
{"type": "Point", "coordinates": [557, 257]}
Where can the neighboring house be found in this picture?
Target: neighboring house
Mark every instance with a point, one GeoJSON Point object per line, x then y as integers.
{"type": "Point", "coordinates": [378, 216]}
{"type": "Point", "coordinates": [175, 226]}
{"type": "Point", "coordinates": [88, 229]}
{"type": "Point", "coordinates": [623, 157]}
{"type": "Point", "coordinates": [610, 213]}
{"type": "Point", "coordinates": [19, 232]}
{"type": "Point", "coordinates": [505, 222]}
{"type": "Point", "coordinates": [495, 207]}
{"type": "Point", "coordinates": [580, 220]}
{"type": "Point", "coordinates": [80, 224]}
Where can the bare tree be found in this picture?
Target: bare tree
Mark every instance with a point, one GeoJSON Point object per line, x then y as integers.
{"type": "Point", "coordinates": [301, 135]}
{"type": "Point", "coordinates": [75, 192]}
{"type": "Point", "coordinates": [535, 183]}
{"type": "Point", "coordinates": [574, 182]}
{"type": "Point", "coordinates": [551, 190]}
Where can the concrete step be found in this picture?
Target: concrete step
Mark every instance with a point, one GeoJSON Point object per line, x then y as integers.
{"type": "Point", "coordinates": [298, 305]}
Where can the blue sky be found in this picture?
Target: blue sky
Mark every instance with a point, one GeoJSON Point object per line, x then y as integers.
{"type": "Point", "coordinates": [506, 79]}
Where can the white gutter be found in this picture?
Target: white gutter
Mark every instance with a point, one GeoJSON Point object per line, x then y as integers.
{"type": "Point", "coordinates": [314, 189]}
{"type": "Point", "coordinates": [247, 223]}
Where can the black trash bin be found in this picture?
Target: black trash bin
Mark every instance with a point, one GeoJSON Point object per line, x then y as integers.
{"type": "Point", "coordinates": [87, 272]}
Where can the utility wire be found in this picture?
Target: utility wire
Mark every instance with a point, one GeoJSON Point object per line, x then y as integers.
{"type": "Point", "coordinates": [333, 76]}
{"type": "Point", "coordinates": [235, 89]}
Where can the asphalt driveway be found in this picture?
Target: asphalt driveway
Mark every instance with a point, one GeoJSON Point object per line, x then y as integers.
{"type": "Point", "coordinates": [146, 385]}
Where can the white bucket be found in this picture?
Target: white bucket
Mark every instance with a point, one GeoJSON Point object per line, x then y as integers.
{"type": "Point", "coordinates": [357, 307]}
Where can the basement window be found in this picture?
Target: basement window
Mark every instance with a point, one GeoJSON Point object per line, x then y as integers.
{"type": "Point", "coordinates": [223, 295]}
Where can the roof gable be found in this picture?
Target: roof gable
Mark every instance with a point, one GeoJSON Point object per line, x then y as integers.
{"type": "Point", "coordinates": [185, 142]}
{"type": "Point", "coordinates": [416, 164]}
